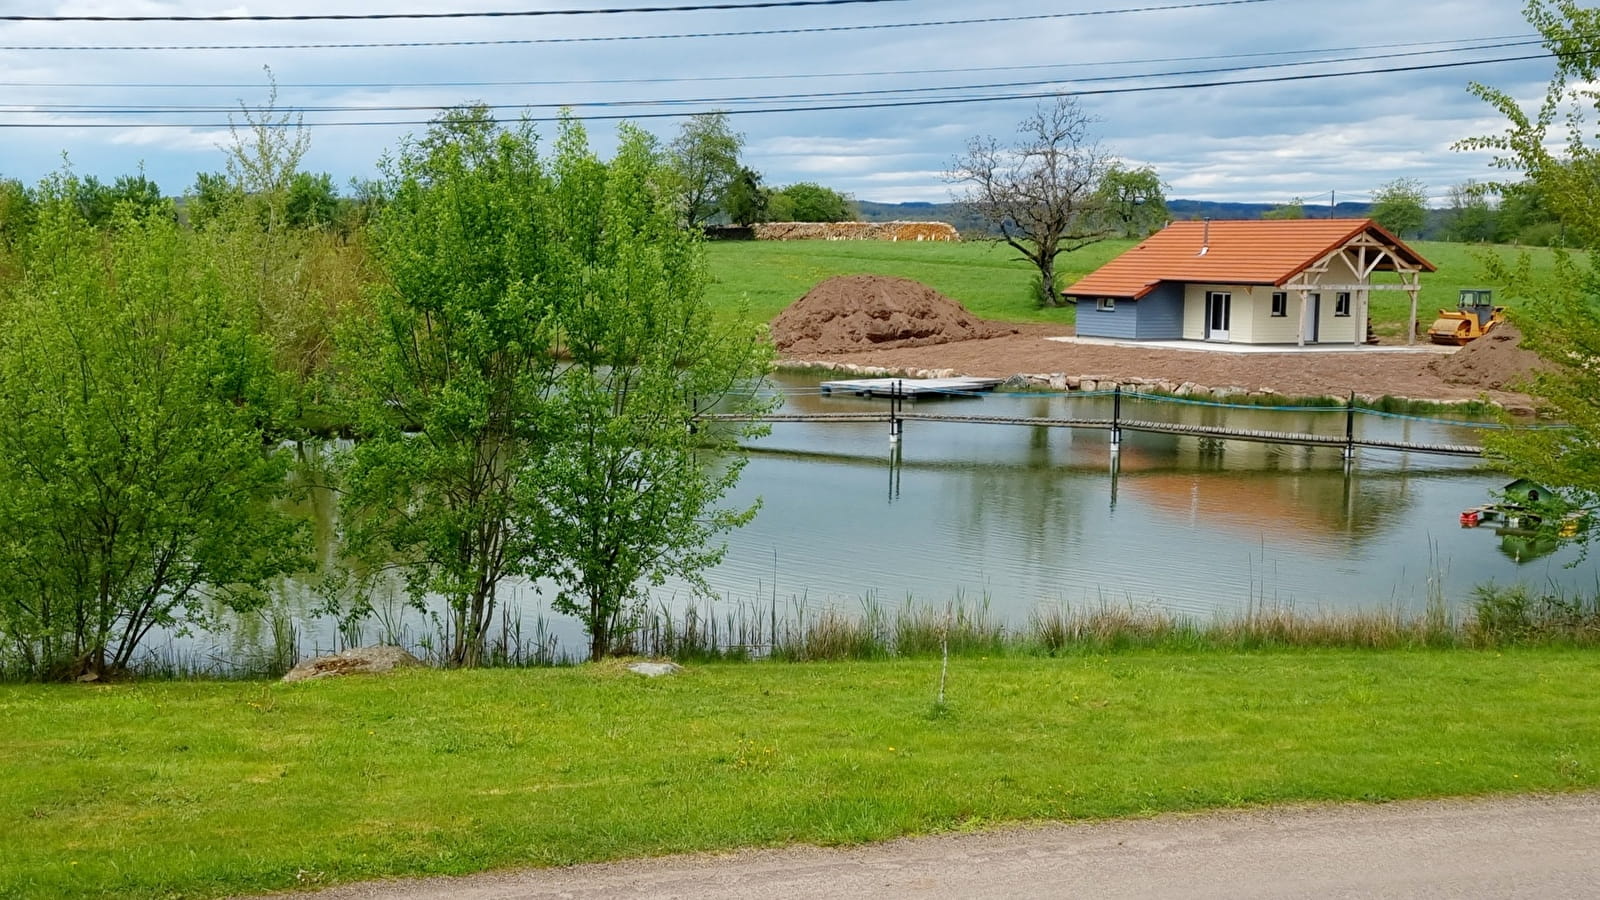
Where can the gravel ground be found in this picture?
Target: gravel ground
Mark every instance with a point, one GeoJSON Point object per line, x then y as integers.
{"type": "Point", "coordinates": [1540, 847]}
{"type": "Point", "coordinates": [1293, 373]}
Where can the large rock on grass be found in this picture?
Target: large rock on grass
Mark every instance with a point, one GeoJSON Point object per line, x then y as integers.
{"type": "Point", "coordinates": [357, 661]}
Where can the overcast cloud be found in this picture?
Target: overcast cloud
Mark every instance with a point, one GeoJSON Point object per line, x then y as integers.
{"type": "Point", "coordinates": [1261, 142]}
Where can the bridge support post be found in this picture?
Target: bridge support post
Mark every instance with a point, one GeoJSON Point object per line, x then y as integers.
{"type": "Point", "coordinates": [1116, 417]}
{"type": "Point", "coordinates": [895, 425]}
{"type": "Point", "coordinates": [1350, 428]}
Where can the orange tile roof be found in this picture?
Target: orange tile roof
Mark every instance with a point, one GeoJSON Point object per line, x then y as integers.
{"type": "Point", "coordinates": [1256, 251]}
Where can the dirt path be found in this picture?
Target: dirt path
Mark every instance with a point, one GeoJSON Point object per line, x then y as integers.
{"type": "Point", "coordinates": [1289, 373]}
{"type": "Point", "coordinates": [1508, 847]}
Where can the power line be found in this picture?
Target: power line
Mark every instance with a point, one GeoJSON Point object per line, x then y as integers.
{"type": "Point", "coordinates": [1480, 43]}
{"type": "Point", "coordinates": [888, 104]}
{"type": "Point", "coordinates": [502, 14]}
{"type": "Point", "coordinates": [503, 42]}
{"type": "Point", "coordinates": [128, 109]}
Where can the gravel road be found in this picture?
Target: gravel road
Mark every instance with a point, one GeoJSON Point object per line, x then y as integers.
{"type": "Point", "coordinates": [1542, 847]}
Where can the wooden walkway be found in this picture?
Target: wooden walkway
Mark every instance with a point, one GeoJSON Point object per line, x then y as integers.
{"type": "Point", "coordinates": [1346, 441]}
{"type": "Point", "coordinates": [911, 387]}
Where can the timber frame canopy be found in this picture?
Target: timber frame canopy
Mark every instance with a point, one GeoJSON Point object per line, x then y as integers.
{"type": "Point", "coordinates": [1294, 255]}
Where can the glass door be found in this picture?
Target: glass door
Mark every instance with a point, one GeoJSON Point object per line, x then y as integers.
{"type": "Point", "coordinates": [1218, 311]}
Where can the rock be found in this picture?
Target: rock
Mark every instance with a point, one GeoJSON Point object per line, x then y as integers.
{"type": "Point", "coordinates": [1184, 389]}
{"type": "Point", "coordinates": [654, 669]}
{"type": "Point", "coordinates": [356, 661]}
{"type": "Point", "coordinates": [1088, 384]}
{"type": "Point", "coordinates": [1074, 382]}
{"type": "Point", "coordinates": [1058, 382]}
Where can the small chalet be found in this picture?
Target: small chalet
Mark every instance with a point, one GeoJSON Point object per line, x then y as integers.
{"type": "Point", "coordinates": [1296, 281]}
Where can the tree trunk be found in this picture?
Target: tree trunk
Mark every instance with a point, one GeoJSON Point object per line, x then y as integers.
{"type": "Point", "coordinates": [1047, 282]}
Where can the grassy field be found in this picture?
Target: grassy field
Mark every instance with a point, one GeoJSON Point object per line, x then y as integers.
{"type": "Point", "coordinates": [991, 281]}
{"type": "Point", "coordinates": [204, 789]}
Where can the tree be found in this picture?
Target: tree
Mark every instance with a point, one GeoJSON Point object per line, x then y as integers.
{"type": "Point", "coordinates": [705, 157]}
{"type": "Point", "coordinates": [541, 351]}
{"type": "Point", "coordinates": [1041, 193]}
{"type": "Point", "coordinates": [136, 482]}
{"type": "Point", "coordinates": [16, 213]}
{"type": "Point", "coordinates": [311, 201]}
{"type": "Point", "coordinates": [1560, 316]}
{"type": "Point", "coordinates": [1294, 209]}
{"type": "Point", "coordinates": [1470, 217]}
{"type": "Point", "coordinates": [1401, 206]}
{"type": "Point", "coordinates": [631, 493]}
{"type": "Point", "coordinates": [746, 200]}
{"type": "Point", "coordinates": [1133, 201]}
{"type": "Point", "coordinates": [451, 388]}
{"type": "Point", "coordinates": [811, 202]}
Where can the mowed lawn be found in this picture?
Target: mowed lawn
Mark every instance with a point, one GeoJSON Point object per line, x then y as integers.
{"type": "Point", "coordinates": [993, 282]}
{"type": "Point", "coordinates": [206, 789]}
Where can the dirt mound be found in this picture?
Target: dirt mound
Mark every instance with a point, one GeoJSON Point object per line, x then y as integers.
{"type": "Point", "coordinates": [1494, 362]}
{"type": "Point", "coordinates": [865, 312]}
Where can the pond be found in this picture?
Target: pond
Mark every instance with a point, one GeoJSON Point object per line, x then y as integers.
{"type": "Point", "coordinates": [1019, 516]}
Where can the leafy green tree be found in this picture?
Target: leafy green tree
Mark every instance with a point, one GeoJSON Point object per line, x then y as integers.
{"type": "Point", "coordinates": [746, 200]}
{"type": "Point", "coordinates": [452, 388]}
{"type": "Point", "coordinates": [16, 213]}
{"type": "Point", "coordinates": [630, 494]}
{"type": "Point", "coordinates": [1294, 209]}
{"type": "Point", "coordinates": [811, 202]}
{"type": "Point", "coordinates": [311, 202]}
{"type": "Point", "coordinates": [211, 197]}
{"type": "Point", "coordinates": [1470, 217]}
{"type": "Point", "coordinates": [98, 201]}
{"type": "Point", "coordinates": [705, 158]}
{"type": "Point", "coordinates": [542, 350]}
{"type": "Point", "coordinates": [1133, 200]}
{"type": "Point", "coordinates": [1041, 193]}
{"type": "Point", "coordinates": [135, 478]}
{"type": "Point", "coordinates": [1560, 316]}
{"type": "Point", "coordinates": [1401, 206]}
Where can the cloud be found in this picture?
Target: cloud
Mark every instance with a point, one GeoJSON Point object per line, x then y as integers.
{"type": "Point", "coordinates": [1223, 142]}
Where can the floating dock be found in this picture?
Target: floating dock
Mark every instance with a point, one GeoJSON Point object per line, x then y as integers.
{"type": "Point", "coordinates": [911, 387]}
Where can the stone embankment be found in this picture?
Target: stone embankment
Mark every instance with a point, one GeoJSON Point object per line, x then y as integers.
{"type": "Point", "coordinates": [1057, 381]}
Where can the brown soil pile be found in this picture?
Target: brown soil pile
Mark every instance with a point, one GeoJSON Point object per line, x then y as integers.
{"type": "Point", "coordinates": [866, 312]}
{"type": "Point", "coordinates": [1494, 362]}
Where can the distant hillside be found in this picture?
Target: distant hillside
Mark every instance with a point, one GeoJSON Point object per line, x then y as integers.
{"type": "Point", "coordinates": [1179, 209]}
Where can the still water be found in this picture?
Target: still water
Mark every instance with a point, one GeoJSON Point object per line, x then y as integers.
{"type": "Point", "coordinates": [1024, 515]}
{"type": "Point", "coordinates": [1018, 516]}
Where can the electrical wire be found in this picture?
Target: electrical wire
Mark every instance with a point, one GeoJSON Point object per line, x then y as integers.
{"type": "Point", "coordinates": [100, 109]}
{"type": "Point", "coordinates": [887, 104]}
{"type": "Point", "coordinates": [1505, 40]}
{"type": "Point", "coordinates": [494, 14]}
{"type": "Point", "coordinates": [1197, 4]}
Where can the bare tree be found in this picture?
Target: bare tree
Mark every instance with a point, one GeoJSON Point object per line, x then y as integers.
{"type": "Point", "coordinates": [1042, 192]}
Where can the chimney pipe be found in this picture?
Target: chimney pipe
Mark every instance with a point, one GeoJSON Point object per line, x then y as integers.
{"type": "Point", "coordinates": [1205, 238]}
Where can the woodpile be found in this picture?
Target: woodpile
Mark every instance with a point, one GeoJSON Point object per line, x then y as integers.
{"type": "Point", "coordinates": [855, 231]}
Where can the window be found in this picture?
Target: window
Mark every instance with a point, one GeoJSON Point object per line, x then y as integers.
{"type": "Point", "coordinates": [1341, 303]}
{"type": "Point", "coordinates": [1105, 304]}
{"type": "Point", "coordinates": [1280, 303]}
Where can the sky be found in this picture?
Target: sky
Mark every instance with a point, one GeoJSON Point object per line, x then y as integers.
{"type": "Point", "coordinates": [167, 107]}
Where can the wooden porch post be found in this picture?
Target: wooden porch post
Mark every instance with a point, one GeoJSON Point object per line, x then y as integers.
{"type": "Point", "coordinates": [1305, 303]}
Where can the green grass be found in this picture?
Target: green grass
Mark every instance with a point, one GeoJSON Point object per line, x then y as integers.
{"type": "Point", "coordinates": [990, 280]}
{"type": "Point", "coordinates": [987, 278]}
{"type": "Point", "coordinates": [204, 789]}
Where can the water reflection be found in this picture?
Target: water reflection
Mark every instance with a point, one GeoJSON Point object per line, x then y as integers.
{"type": "Point", "coordinates": [1024, 515]}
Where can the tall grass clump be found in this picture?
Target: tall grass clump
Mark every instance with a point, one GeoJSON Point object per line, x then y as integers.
{"type": "Point", "coordinates": [1515, 614]}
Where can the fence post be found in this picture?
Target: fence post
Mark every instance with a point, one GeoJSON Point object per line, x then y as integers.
{"type": "Point", "coordinates": [894, 411]}
{"type": "Point", "coordinates": [1116, 417]}
{"type": "Point", "coordinates": [1350, 427]}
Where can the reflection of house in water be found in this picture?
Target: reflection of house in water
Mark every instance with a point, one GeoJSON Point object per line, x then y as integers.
{"type": "Point", "coordinates": [1306, 506]}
